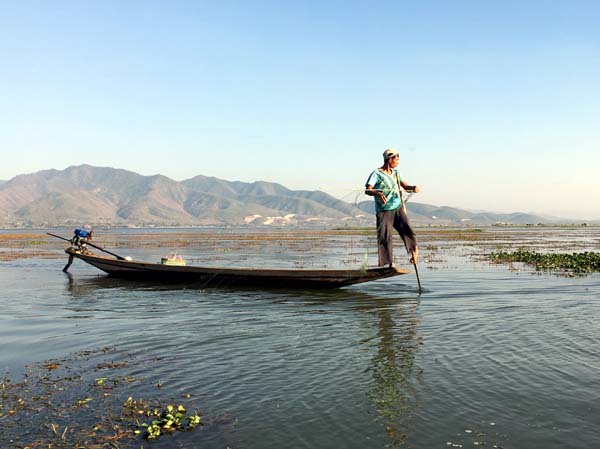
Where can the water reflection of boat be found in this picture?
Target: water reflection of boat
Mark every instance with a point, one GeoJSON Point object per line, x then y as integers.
{"type": "Point", "coordinates": [209, 276]}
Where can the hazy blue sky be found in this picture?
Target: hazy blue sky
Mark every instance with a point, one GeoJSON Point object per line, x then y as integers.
{"type": "Point", "coordinates": [492, 104]}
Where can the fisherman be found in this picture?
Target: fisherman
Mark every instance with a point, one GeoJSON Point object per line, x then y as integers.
{"type": "Point", "coordinates": [384, 185]}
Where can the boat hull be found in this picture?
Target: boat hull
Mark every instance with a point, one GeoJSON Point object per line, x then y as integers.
{"type": "Point", "coordinates": [211, 277]}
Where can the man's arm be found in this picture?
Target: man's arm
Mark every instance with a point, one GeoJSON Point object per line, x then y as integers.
{"type": "Point", "coordinates": [408, 188]}
{"type": "Point", "coordinates": [374, 192]}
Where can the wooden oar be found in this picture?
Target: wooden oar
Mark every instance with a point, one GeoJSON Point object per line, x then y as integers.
{"type": "Point", "coordinates": [417, 273]}
{"type": "Point", "coordinates": [90, 244]}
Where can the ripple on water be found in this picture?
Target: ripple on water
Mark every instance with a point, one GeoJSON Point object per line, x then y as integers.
{"type": "Point", "coordinates": [511, 357]}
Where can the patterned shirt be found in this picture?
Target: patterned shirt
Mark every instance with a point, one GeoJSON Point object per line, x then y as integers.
{"type": "Point", "coordinates": [388, 184]}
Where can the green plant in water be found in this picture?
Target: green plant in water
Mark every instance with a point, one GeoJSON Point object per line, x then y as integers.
{"type": "Point", "coordinates": [60, 404]}
{"type": "Point", "coordinates": [167, 421]}
{"type": "Point", "coordinates": [577, 263]}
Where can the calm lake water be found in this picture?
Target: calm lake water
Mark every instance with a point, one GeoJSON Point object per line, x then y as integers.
{"type": "Point", "coordinates": [487, 355]}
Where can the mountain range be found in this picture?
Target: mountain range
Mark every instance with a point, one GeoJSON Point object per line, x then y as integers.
{"type": "Point", "coordinates": [116, 197]}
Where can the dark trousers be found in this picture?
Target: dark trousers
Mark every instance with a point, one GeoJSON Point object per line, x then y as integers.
{"type": "Point", "coordinates": [387, 221]}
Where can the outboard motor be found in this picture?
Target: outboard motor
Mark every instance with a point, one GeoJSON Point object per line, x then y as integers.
{"type": "Point", "coordinates": [81, 237]}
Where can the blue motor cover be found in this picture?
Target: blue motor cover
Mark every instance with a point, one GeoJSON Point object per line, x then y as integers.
{"type": "Point", "coordinates": [82, 233]}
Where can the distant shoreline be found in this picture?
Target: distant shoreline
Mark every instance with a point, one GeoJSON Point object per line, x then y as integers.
{"type": "Point", "coordinates": [298, 227]}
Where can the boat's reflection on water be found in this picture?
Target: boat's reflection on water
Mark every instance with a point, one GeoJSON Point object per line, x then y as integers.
{"type": "Point", "coordinates": [81, 286]}
{"type": "Point", "coordinates": [393, 328]}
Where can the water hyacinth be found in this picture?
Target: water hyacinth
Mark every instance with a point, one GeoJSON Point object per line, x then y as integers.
{"type": "Point", "coordinates": [576, 263]}
{"type": "Point", "coordinates": [61, 404]}
{"type": "Point", "coordinates": [167, 421]}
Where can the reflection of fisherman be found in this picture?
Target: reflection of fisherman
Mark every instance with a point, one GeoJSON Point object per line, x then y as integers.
{"type": "Point", "coordinates": [393, 368]}
{"type": "Point", "coordinates": [384, 184]}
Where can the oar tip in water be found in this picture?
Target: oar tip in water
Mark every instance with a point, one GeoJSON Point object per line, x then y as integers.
{"type": "Point", "coordinates": [417, 273]}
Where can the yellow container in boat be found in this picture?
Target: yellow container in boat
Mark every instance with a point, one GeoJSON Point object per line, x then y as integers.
{"type": "Point", "coordinates": [172, 259]}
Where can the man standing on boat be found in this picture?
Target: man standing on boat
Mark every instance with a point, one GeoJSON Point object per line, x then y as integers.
{"type": "Point", "coordinates": [384, 185]}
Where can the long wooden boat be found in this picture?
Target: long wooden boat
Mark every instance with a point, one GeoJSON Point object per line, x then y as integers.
{"type": "Point", "coordinates": [207, 276]}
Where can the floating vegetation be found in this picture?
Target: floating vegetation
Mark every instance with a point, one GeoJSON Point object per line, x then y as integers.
{"type": "Point", "coordinates": [63, 404]}
{"type": "Point", "coordinates": [32, 239]}
{"type": "Point", "coordinates": [309, 248]}
{"type": "Point", "coordinates": [165, 421]}
{"type": "Point", "coordinates": [576, 263]}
